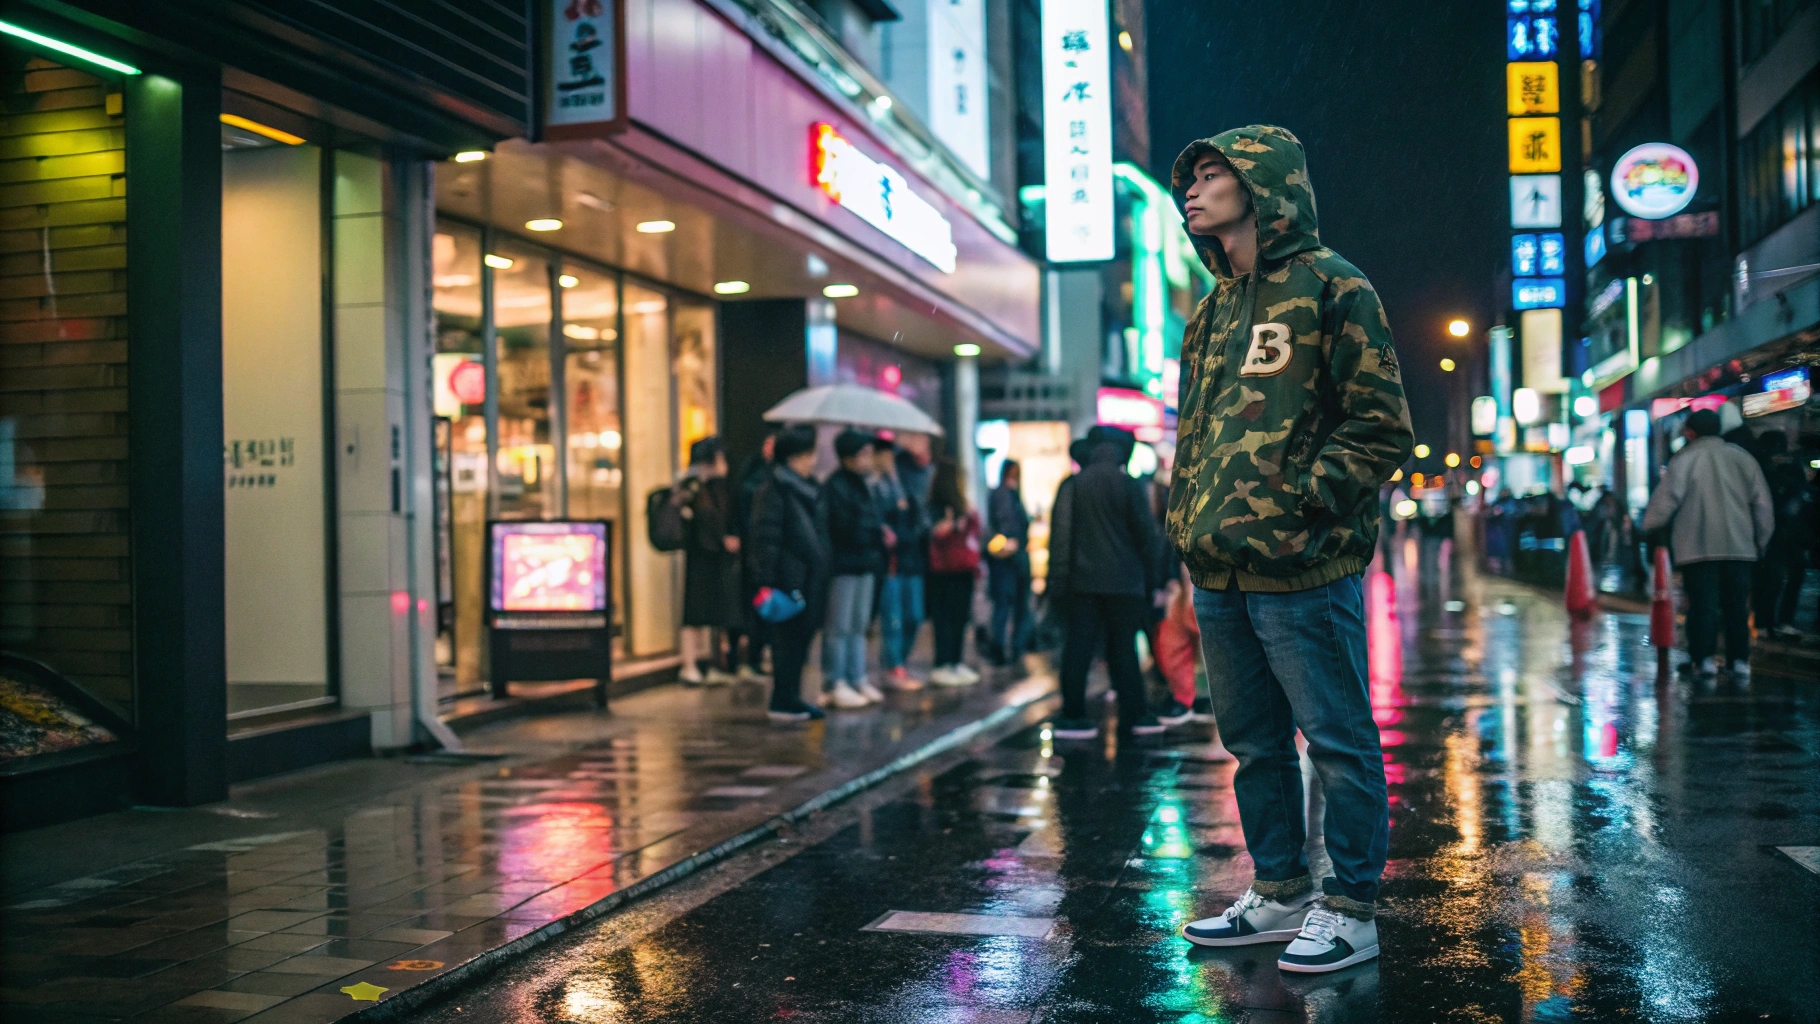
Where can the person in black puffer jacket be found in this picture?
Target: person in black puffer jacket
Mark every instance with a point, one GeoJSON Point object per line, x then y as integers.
{"type": "Point", "coordinates": [1104, 558]}
{"type": "Point", "coordinates": [789, 553]}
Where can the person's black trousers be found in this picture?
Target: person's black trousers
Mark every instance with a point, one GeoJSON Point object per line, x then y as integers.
{"type": "Point", "coordinates": [789, 653]}
{"type": "Point", "coordinates": [949, 597]}
{"type": "Point", "coordinates": [1115, 619]}
{"type": "Point", "coordinates": [1718, 597]}
{"type": "Point", "coordinates": [1777, 581]}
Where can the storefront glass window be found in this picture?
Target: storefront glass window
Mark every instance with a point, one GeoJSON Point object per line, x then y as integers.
{"type": "Point", "coordinates": [274, 466]}
{"type": "Point", "coordinates": [528, 487]}
{"type": "Point", "coordinates": [694, 363]}
{"type": "Point", "coordinates": [596, 439]}
{"type": "Point", "coordinates": [461, 457]}
{"type": "Point", "coordinates": [650, 463]}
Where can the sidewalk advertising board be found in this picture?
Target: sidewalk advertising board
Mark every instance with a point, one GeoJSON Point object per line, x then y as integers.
{"type": "Point", "coordinates": [548, 602]}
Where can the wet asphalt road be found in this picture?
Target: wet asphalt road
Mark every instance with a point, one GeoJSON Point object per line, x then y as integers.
{"type": "Point", "coordinates": [1570, 841]}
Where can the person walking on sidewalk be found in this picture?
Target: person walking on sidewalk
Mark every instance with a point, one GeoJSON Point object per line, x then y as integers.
{"type": "Point", "coordinates": [954, 566]}
{"type": "Point", "coordinates": [857, 540]}
{"type": "Point", "coordinates": [711, 599]}
{"type": "Point", "coordinates": [1782, 571]}
{"type": "Point", "coordinates": [1008, 567]}
{"type": "Point", "coordinates": [1104, 563]}
{"type": "Point", "coordinates": [1715, 504]}
{"type": "Point", "coordinates": [1292, 418]}
{"type": "Point", "coordinates": [789, 555]}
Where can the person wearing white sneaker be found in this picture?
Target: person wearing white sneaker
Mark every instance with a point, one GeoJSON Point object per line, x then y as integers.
{"type": "Point", "coordinates": [945, 675]}
{"type": "Point", "coordinates": [1331, 940]}
{"type": "Point", "coordinates": [865, 689]}
{"type": "Point", "coordinates": [1268, 912]}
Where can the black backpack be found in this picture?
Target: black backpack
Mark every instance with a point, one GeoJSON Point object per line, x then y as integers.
{"type": "Point", "coordinates": [666, 520]}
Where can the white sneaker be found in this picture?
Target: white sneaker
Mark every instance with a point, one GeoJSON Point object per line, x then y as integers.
{"type": "Point", "coordinates": [1740, 671]}
{"type": "Point", "coordinates": [689, 675]}
{"type": "Point", "coordinates": [868, 691]}
{"type": "Point", "coordinates": [748, 674]}
{"type": "Point", "coordinates": [1708, 668]}
{"type": "Point", "coordinates": [846, 697]}
{"type": "Point", "coordinates": [1330, 941]}
{"type": "Point", "coordinates": [944, 675]}
{"type": "Point", "coordinates": [717, 677]}
{"type": "Point", "coordinates": [1251, 920]}
{"type": "Point", "coordinates": [967, 674]}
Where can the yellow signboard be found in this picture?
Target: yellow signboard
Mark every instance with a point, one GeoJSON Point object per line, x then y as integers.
{"type": "Point", "coordinates": [1535, 145]}
{"type": "Point", "coordinates": [1533, 87]}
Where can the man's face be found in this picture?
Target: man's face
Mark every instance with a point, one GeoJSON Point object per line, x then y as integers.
{"type": "Point", "coordinates": [1217, 199]}
{"type": "Point", "coordinates": [860, 461]}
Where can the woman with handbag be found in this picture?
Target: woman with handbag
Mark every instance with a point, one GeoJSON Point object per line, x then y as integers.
{"type": "Point", "coordinates": [954, 565]}
{"type": "Point", "coordinates": [788, 564]}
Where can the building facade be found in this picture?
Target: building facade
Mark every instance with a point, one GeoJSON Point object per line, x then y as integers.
{"type": "Point", "coordinates": [301, 301]}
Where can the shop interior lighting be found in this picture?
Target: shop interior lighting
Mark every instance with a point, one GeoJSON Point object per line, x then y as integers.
{"type": "Point", "coordinates": [543, 224]}
{"type": "Point", "coordinates": [581, 332]}
{"type": "Point", "coordinates": [1447, 365]}
{"type": "Point", "coordinates": [496, 262]}
{"type": "Point", "coordinates": [656, 227]}
{"type": "Point", "coordinates": [67, 48]}
{"type": "Point", "coordinates": [966, 350]}
{"type": "Point", "coordinates": [262, 129]}
{"type": "Point", "coordinates": [1125, 42]}
{"type": "Point", "coordinates": [1459, 328]}
{"type": "Point", "coordinates": [1585, 405]}
{"type": "Point", "coordinates": [1422, 451]}
{"type": "Point", "coordinates": [470, 156]}
{"type": "Point", "coordinates": [731, 288]}
{"type": "Point", "coordinates": [1452, 460]}
{"type": "Point", "coordinates": [568, 280]}
{"type": "Point", "coordinates": [841, 291]}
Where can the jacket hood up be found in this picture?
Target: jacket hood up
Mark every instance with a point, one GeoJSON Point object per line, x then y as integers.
{"type": "Point", "coordinates": [1274, 169]}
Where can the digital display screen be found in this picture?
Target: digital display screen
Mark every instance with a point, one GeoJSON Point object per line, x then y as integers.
{"type": "Point", "coordinates": [548, 567]}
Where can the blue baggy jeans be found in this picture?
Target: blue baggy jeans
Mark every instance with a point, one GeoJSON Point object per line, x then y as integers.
{"type": "Point", "coordinates": [844, 631]}
{"type": "Point", "coordinates": [900, 613]}
{"type": "Point", "coordinates": [1278, 662]}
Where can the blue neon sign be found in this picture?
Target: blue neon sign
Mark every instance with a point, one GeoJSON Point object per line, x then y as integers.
{"type": "Point", "coordinates": [1553, 258]}
{"type": "Point", "coordinates": [1538, 293]}
{"type": "Point", "coordinates": [1531, 37]}
{"type": "Point", "coordinates": [1595, 247]}
{"type": "Point", "coordinates": [1523, 255]}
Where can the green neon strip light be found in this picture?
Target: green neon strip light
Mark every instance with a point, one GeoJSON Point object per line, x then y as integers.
{"type": "Point", "coordinates": [62, 47]}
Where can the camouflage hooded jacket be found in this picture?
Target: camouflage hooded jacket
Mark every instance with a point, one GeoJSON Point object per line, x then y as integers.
{"type": "Point", "coordinates": [1292, 407]}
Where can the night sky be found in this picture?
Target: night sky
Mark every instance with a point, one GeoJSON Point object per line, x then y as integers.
{"type": "Point", "coordinates": [1401, 107]}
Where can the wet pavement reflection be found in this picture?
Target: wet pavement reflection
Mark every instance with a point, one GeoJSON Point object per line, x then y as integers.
{"type": "Point", "coordinates": [1570, 841]}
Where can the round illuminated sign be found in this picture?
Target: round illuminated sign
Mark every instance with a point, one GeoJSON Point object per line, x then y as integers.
{"type": "Point", "coordinates": [468, 381]}
{"type": "Point", "coordinates": [1654, 180]}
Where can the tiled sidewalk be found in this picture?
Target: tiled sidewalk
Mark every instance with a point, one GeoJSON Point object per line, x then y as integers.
{"type": "Point", "coordinates": [354, 883]}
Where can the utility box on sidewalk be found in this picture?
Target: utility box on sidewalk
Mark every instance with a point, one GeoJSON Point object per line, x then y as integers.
{"type": "Point", "coordinates": [549, 602]}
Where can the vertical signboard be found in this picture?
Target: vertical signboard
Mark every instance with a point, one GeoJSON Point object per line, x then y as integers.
{"type": "Point", "coordinates": [957, 80]}
{"type": "Point", "coordinates": [583, 81]}
{"type": "Point", "coordinates": [1077, 130]}
{"type": "Point", "coordinates": [1542, 351]}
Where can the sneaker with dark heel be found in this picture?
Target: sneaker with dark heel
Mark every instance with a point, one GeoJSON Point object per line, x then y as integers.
{"type": "Point", "coordinates": [1175, 713]}
{"type": "Point", "coordinates": [794, 712]}
{"type": "Point", "coordinates": [1330, 941]}
{"type": "Point", "coordinates": [1252, 920]}
{"type": "Point", "coordinates": [1074, 729]}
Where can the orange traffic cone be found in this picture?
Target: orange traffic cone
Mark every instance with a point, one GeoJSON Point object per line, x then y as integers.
{"type": "Point", "coordinates": [1581, 597]}
{"type": "Point", "coordinates": [1662, 613]}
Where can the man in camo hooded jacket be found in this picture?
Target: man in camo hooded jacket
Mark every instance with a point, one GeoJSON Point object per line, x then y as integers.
{"type": "Point", "coordinates": [1292, 417]}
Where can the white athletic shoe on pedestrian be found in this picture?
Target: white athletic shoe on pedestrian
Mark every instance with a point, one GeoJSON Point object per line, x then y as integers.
{"type": "Point", "coordinates": [1330, 941]}
{"type": "Point", "coordinates": [689, 675]}
{"type": "Point", "coordinates": [748, 674]}
{"type": "Point", "coordinates": [1253, 919]}
{"type": "Point", "coordinates": [1740, 671]}
{"type": "Point", "coordinates": [945, 675]}
{"type": "Point", "coordinates": [868, 691]}
{"type": "Point", "coordinates": [967, 674]}
{"type": "Point", "coordinates": [1708, 669]}
{"type": "Point", "coordinates": [717, 677]}
{"type": "Point", "coordinates": [846, 697]}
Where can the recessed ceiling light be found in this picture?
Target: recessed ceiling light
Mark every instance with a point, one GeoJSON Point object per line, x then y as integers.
{"type": "Point", "coordinates": [568, 280]}
{"type": "Point", "coordinates": [732, 288]}
{"type": "Point", "coordinates": [470, 156]}
{"type": "Point", "coordinates": [841, 291]}
{"type": "Point", "coordinates": [580, 332]}
{"type": "Point", "coordinates": [496, 262]}
{"type": "Point", "coordinates": [655, 227]}
{"type": "Point", "coordinates": [543, 224]}
{"type": "Point", "coordinates": [882, 103]}
{"type": "Point", "coordinates": [966, 349]}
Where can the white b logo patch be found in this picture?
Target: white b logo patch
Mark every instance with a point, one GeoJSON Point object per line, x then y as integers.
{"type": "Point", "coordinates": [1270, 351]}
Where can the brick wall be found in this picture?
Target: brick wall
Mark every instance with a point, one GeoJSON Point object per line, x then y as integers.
{"type": "Point", "coordinates": [65, 595]}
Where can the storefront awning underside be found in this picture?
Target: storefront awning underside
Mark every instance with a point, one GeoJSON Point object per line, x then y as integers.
{"type": "Point", "coordinates": [725, 230]}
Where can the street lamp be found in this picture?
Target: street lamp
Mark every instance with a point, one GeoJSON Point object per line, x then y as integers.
{"type": "Point", "coordinates": [1447, 365]}
{"type": "Point", "coordinates": [1459, 328]}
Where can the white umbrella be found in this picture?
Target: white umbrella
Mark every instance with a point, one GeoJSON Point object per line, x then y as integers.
{"type": "Point", "coordinates": [853, 405]}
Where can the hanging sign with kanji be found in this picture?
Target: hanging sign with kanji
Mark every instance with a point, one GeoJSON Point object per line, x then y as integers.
{"type": "Point", "coordinates": [584, 93]}
{"type": "Point", "coordinates": [1532, 87]}
{"type": "Point", "coordinates": [1077, 131]}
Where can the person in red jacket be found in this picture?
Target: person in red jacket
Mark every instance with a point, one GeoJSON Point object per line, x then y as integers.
{"type": "Point", "coordinates": [954, 565]}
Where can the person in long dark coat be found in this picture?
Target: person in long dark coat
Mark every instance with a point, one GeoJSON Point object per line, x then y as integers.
{"type": "Point", "coordinates": [711, 600]}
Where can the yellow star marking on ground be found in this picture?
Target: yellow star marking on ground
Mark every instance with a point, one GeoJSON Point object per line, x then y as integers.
{"type": "Point", "coordinates": [365, 992]}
